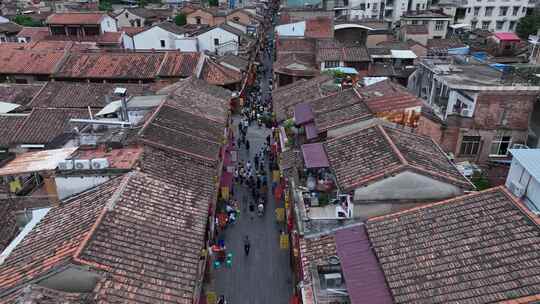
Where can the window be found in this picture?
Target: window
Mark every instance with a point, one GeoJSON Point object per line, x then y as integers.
{"type": "Point", "coordinates": [162, 42]}
{"type": "Point", "coordinates": [375, 6]}
{"type": "Point", "coordinates": [138, 21]}
{"type": "Point", "coordinates": [499, 25]}
{"type": "Point", "coordinates": [485, 25]}
{"type": "Point", "coordinates": [470, 145]}
{"type": "Point", "coordinates": [474, 24]}
{"type": "Point", "coordinates": [512, 26]}
{"type": "Point", "coordinates": [515, 10]}
{"type": "Point", "coordinates": [331, 64]}
{"type": "Point", "coordinates": [368, 5]}
{"type": "Point", "coordinates": [216, 41]}
{"type": "Point", "coordinates": [439, 25]}
{"type": "Point", "coordinates": [414, 22]}
{"type": "Point", "coordinates": [418, 6]}
{"type": "Point", "coordinates": [524, 9]}
{"type": "Point", "coordinates": [127, 15]}
{"type": "Point", "coordinates": [500, 145]}
{"type": "Point", "coordinates": [425, 22]}
{"type": "Point", "coordinates": [468, 10]}
{"type": "Point", "coordinates": [362, 6]}
{"type": "Point", "coordinates": [503, 10]}
{"type": "Point", "coordinates": [476, 11]}
{"type": "Point", "coordinates": [198, 20]}
{"type": "Point", "coordinates": [489, 11]}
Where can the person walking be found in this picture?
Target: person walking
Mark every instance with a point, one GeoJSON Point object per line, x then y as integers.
{"type": "Point", "coordinates": [247, 145]}
{"type": "Point", "coordinates": [247, 245]}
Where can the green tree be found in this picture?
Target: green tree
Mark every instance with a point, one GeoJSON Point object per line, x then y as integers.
{"type": "Point", "coordinates": [528, 25]}
{"type": "Point", "coordinates": [180, 19]}
{"type": "Point", "coordinates": [141, 3]}
{"type": "Point", "coordinates": [26, 21]}
{"type": "Point", "coordinates": [105, 5]}
{"type": "Point", "coordinates": [213, 2]}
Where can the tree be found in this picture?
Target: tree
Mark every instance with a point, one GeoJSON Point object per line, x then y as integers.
{"type": "Point", "coordinates": [105, 5]}
{"type": "Point", "coordinates": [528, 25]}
{"type": "Point", "coordinates": [180, 19]}
{"type": "Point", "coordinates": [26, 21]}
{"type": "Point", "coordinates": [141, 3]}
{"type": "Point", "coordinates": [213, 2]}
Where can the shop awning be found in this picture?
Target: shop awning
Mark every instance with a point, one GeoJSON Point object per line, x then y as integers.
{"type": "Point", "coordinates": [226, 179]}
{"type": "Point", "coordinates": [315, 156]}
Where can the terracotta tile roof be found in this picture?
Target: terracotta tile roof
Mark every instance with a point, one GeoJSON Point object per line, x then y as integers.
{"type": "Point", "coordinates": [34, 33]}
{"type": "Point", "coordinates": [111, 66]}
{"type": "Point", "coordinates": [132, 30]}
{"type": "Point", "coordinates": [56, 238]}
{"type": "Point", "coordinates": [217, 74]}
{"type": "Point", "coordinates": [416, 29]}
{"type": "Point", "coordinates": [339, 109]}
{"type": "Point", "coordinates": [289, 159]}
{"type": "Point", "coordinates": [19, 93]}
{"type": "Point", "coordinates": [372, 153]}
{"type": "Point", "coordinates": [296, 64]}
{"type": "Point", "coordinates": [8, 224]}
{"type": "Point", "coordinates": [477, 248]}
{"type": "Point", "coordinates": [200, 98]}
{"type": "Point", "coordinates": [43, 126]}
{"type": "Point", "coordinates": [9, 125]}
{"type": "Point", "coordinates": [388, 96]}
{"type": "Point", "coordinates": [61, 94]}
{"type": "Point", "coordinates": [149, 242]}
{"type": "Point", "coordinates": [295, 45]}
{"type": "Point", "coordinates": [182, 131]}
{"type": "Point", "coordinates": [315, 251]}
{"type": "Point", "coordinates": [29, 62]}
{"type": "Point", "coordinates": [236, 61]}
{"type": "Point", "coordinates": [331, 50]}
{"type": "Point", "coordinates": [151, 13]}
{"type": "Point", "coordinates": [35, 294]}
{"type": "Point", "coordinates": [286, 97]}
{"type": "Point", "coordinates": [319, 28]}
{"type": "Point", "coordinates": [75, 18]}
{"type": "Point", "coordinates": [61, 45]}
{"type": "Point", "coordinates": [445, 43]}
{"type": "Point", "coordinates": [179, 64]}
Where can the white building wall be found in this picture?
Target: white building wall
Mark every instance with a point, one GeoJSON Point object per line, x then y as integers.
{"type": "Point", "coordinates": [69, 185]}
{"type": "Point", "coordinates": [128, 41]}
{"type": "Point", "coordinates": [186, 45]}
{"type": "Point", "coordinates": [128, 19]}
{"type": "Point", "coordinates": [396, 8]}
{"type": "Point", "coordinates": [509, 20]}
{"type": "Point", "coordinates": [518, 174]}
{"type": "Point", "coordinates": [406, 186]}
{"type": "Point", "coordinates": [152, 39]}
{"type": "Point", "coordinates": [108, 24]}
{"type": "Point", "coordinates": [207, 40]}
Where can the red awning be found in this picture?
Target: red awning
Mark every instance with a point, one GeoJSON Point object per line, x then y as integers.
{"type": "Point", "coordinates": [315, 156]}
{"type": "Point", "coordinates": [226, 179]}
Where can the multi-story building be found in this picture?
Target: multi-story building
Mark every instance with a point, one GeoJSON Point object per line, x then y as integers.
{"type": "Point", "coordinates": [394, 9]}
{"type": "Point", "coordinates": [435, 21]}
{"type": "Point", "coordinates": [388, 10]}
{"type": "Point", "coordinates": [493, 15]}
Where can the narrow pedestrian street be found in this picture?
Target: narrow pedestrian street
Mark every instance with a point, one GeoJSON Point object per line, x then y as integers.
{"type": "Point", "coordinates": [263, 276]}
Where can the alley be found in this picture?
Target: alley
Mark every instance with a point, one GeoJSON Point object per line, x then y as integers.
{"type": "Point", "coordinates": [265, 275]}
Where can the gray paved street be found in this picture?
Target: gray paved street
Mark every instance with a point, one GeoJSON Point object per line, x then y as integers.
{"type": "Point", "coordinates": [264, 276]}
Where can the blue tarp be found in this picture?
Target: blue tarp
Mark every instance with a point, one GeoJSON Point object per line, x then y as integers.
{"type": "Point", "coordinates": [482, 56]}
{"type": "Point", "coordinates": [345, 70]}
{"type": "Point", "coordinates": [501, 67]}
{"type": "Point", "coordinates": [459, 51]}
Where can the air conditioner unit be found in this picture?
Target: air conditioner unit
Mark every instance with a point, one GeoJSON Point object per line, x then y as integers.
{"type": "Point", "coordinates": [82, 164]}
{"type": "Point", "coordinates": [466, 112]}
{"type": "Point", "coordinates": [66, 165]}
{"type": "Point", "coordinates": [517, 189]}
{"type": "Point", "coordinates": [99, 163]}
{"type": "Point", "coordinates": [333, 280]}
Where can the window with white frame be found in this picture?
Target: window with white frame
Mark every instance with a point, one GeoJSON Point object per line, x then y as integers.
{"type": "Point", "coordinates": [439, 25]}
{"type": "Point", "coordinates": [500, 145]}
{"type": "Point", "coordinates": [476, 11]}
{"type": "Point", "coordinates": [515, 10]}
{"type": "Point", "coordinates": [474, 24]}
{"type": "Point", "coordinates": [488, 11]}
{"type": "Point", "coordinates": [503, 10]}
{"type": "Point", "coordinates": [499, 25]}
{"type": "Point", "coordinates": [470, 145]}
{"type": "Point", "coordinates": [485, 25]}
{"type": "Point", "coordinates": [331, 64]}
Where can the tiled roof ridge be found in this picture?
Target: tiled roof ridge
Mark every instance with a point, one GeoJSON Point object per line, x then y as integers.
{"type": "Point", "coordinates": [446, 201]}
{"type": "Point", "coordinates": [534, 218]}
{"type": "Point", "coordinates": [172, 149]}
{"type": "Point", "coordinates": [187, 134]}
{"type": "Point", "coordinates": [108, 207]}
{"type": "Point", "coordinates": [430, 172]}
{"type": "Point", "coordinates": [16, 134]}
{"type": "Point", "coordinates": [395, 149]}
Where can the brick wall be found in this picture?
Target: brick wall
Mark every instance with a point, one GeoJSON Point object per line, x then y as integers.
{"type": "Point", "coordinates": [430, 128]}
{"type": "Point", "coordinates": [492, 108]}
{"type": "Point", "coordinates": [206, 18]}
